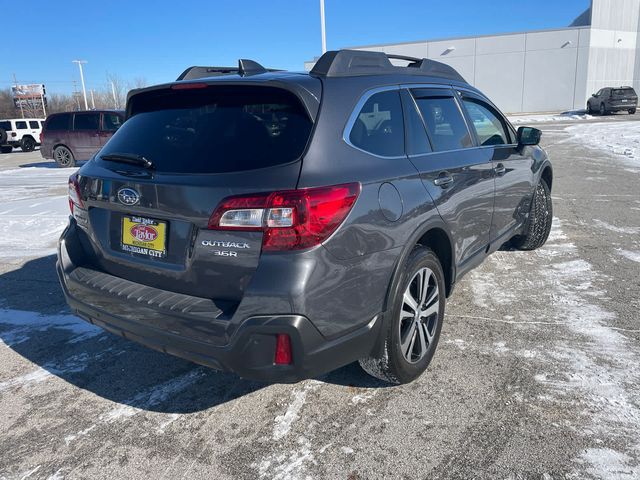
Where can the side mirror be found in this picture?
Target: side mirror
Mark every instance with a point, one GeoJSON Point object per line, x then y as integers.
{"type": "Point", "coordinates": [594, 94]}
{"type": "Point", "coordinates": [528, 136]}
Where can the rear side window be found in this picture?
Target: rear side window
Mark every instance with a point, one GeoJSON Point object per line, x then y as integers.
{"type": "Point", "coordinates": [86, 121]}
{"type": "Point", "coordinates": [21, 125]}
{"type": "Point", "coordinates": [6, 125]}
{"type": "Point", "coordinates": [111, 122]}
{"type": "Point", "coordinates": [59, 122]}
{"type": "Point", "coordinates": [379, 126]}
{"type": "Point", "coordinates": [214, 130]}
{"type": "Point", "coordinates": [34, 124]}
{"type": "Point", "coordinates": [444, 121]}
{"type": "Point", "coordinates": [489, 127]}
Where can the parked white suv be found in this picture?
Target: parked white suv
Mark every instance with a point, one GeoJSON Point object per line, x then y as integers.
{"type": "Point", "coordinates": [20, 132]}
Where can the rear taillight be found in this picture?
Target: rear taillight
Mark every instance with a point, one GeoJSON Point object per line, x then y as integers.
{"type": "Point", "coordinates": [74, 193]}
{"type": "Point", "coordinates": [291, 219]}
{"type": "Point", "coordinates": [283, 354]}
{"type": "Point", "coordinates": [14, 134]}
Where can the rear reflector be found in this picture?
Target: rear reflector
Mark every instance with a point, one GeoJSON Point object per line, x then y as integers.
{"type": "Point", "coordinates": [291, 219]}
{"type": "Point", "coordinates": [283, 350]}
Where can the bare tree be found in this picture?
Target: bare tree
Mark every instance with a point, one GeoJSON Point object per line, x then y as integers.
{"type": "Point", "coordinates": [7, 107]}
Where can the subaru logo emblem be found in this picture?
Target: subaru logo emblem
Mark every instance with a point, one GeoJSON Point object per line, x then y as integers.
{"type": "Point", "coordinates": [128, 196]}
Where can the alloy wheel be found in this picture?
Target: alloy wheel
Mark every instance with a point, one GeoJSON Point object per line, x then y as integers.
{"type": "Point", "coordinates": [63, 156]}
{"type": "Point", "coordinates": [419, 315]}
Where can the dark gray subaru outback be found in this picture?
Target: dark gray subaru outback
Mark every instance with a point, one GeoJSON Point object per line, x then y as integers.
{"type": "Point", "coordinates": [281, 225]}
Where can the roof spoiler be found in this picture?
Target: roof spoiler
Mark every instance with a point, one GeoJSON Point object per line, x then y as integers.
{"type": "Point", "coordinates": [245, 68]}
{"type": "Point", "coordinates": [349, 63]}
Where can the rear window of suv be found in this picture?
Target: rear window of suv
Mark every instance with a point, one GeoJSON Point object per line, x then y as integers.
{"type": "Point", "coordinates": [623, 92]}
{"type": "Point", "coordinates": [215, 129]}
{"type": "Point", "coordinates": [6, 125]}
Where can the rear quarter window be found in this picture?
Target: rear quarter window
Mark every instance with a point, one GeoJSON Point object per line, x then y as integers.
{"type": "Point", "coordinates": [216, 129]}
{"type": "Point", "coordinates": [378, 127]}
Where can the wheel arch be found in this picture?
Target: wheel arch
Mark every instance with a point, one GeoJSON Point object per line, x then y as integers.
{"type": "Point", "coordinates": [436, 236]}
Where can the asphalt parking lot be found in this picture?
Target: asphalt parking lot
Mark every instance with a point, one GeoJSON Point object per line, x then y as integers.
{"type": "Point", "coordinates": [537, 374]}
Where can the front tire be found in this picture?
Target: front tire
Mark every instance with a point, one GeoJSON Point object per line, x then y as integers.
{"type": "Point", "coordinates": [632, 111]}
{"type": "Point", "coordinates": [603, 110]}
{"type": "Point", "coordinates": [28, 144]}
{"type": "Point", "coordinates": [539, 222]}
{"type": "Point", "coordinates": [412, 332]}
{"type": "Point", "coordinates": [63, 157]}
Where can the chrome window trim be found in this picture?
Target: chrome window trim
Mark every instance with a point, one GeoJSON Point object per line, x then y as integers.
{"type": "Point", "coordinates": [354, 116]}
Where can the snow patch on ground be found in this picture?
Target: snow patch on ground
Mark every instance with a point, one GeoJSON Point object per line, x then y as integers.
{"type": "Point", "coordinates": [613, 228]}
{"type": "Point", "coordinates": [285, 466]}
{"type": "Point", "coordinates": [153, 396]}
{"type": "Point", "coordinates": [33, 210]}
{"type": "Point", "coordinates": [17, 326]}
{"type": "Point", "coordinates": [633, 256]}
{"type": "Point", "coordinates": [602, 366]}
{"type": "Point", "coordinates": [283, 423]}
{"type": "Point", "coordinates": [622, 141]}
{"type": "Point", "coordinates": [548, 118]}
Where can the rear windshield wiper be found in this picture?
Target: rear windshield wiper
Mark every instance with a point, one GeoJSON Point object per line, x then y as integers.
{"type": "Point", "coordinates": [130, 158]}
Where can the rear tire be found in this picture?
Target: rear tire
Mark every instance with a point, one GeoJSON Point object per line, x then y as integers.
{"type": "Point", "coordinates": [539, 222]}
{"type": "Point", "coordinates": [412, 331]}
{"type": "Point", "coordinates": [632, 111]}
{"type": "Point", "coordinates": [3, 136]}
{"type": "Point", "coordinates": [603, 109]}
{"type": "Point", "coordinates": [28, 144]}
{"type": "Point", "coordinates": [63, 157]}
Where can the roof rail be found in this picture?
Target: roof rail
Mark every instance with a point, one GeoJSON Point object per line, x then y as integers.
{"type": "Point", "coordinates": [245, 68]}
{"type": "Point", "coordinates": [349, 63]}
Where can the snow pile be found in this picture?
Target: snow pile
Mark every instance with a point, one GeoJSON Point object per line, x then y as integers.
{"type": "Point", "coordinates": [620, 139]}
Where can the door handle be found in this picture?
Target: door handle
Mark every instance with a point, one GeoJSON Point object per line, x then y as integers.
{"type": "Point", "coordinates": [443, 180]}
{"type": "Point", "coordinates": [500, 170]}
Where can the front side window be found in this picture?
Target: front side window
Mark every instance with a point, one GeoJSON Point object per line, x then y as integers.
{"type": "Point", "coordinates": [487, 124]}
{"type": "Point", "coordinates": [34, 124]}
{"type": "Point", "coordinates": [86, 121]}
{"type": "Point", "coordinates": [444, 121]}
{"type": "Point", "coordinates": [21, 125]}
{"type": "Point", "coordinates": [379, 127]}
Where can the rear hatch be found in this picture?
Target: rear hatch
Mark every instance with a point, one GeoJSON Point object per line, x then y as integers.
{"type": "Point", "coordinates": [148, 196]}
{"type": "Point", "coordinates": [625, 96]}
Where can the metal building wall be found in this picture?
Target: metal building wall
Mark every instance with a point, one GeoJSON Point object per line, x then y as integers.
{"type": "Point", "coordinates": [523, 72]}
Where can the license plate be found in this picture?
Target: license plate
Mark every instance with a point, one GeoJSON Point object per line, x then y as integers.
{"type": "Point", "coordinates": [144, 236]}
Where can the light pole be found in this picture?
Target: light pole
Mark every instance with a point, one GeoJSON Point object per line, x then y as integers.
{"type": "Point", "coordinates": [324, 33]}
{"type": "Point", "coordinates": [84, 91]}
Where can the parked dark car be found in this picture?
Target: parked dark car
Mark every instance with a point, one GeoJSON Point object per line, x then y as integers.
{"type": "Point", "coordinates": [610, 99]}
{"type": "Point", "coordinates": [72, 136]}
{"type": "Point", "coordinates": [281, 225]}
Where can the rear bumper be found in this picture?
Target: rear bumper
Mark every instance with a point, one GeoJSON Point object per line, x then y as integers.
{"type": "Point", "coordinates": [248, 351]}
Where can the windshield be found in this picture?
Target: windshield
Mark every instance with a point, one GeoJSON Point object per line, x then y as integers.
{"type": "Point", "coordinates": [214, 130]}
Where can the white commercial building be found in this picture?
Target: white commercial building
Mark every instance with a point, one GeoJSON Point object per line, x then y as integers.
{"type": "Point", "coordinates": [547, 70]}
